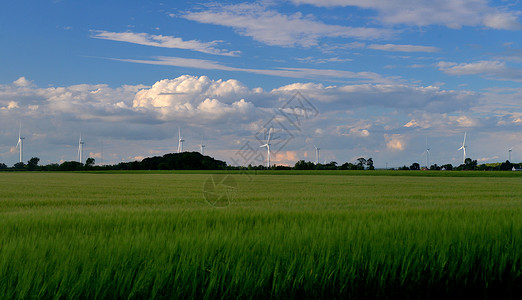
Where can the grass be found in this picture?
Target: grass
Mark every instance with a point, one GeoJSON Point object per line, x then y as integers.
{"type": "Point", "coordinates": [152, 235]}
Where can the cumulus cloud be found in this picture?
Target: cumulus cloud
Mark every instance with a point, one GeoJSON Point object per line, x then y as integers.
{"type": "Point", "coordinates": [277, 29]}
{"type": "Point", "coordinates": [22, 82]}
{"type": "Point", "coordinates": [163, 42]}
{"type": "Point", "coordinates": [450, 13]}
{"type": "Point", "coordinates": [401, 96]}
{"type": "Point", "coordinates": [395, 142]}
{"type": "Point", "coordinates": [189, 96]}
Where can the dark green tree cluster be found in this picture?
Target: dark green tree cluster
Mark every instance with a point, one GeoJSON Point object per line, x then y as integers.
{"type": "Point", "coordinates": [175, 161]}
{"type": "Point", "coordinates": [362, 163]}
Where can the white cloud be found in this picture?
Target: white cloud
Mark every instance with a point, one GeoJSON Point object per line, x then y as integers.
{"type": "Point", "coordinates": [23, 82]}
{"type": "Point", "coordinates": [496, 70]}
{"type": "Point", "coordinates": [395, 142]}
{"type": "Point", "coordinates": [450, 13]}
{"type": "Point", "coordinates": [277, 29]}
{"type": "Point", "coordinates": [403, 48]}
{"type": "Point", "coordinates": [190, 96]}
{"type": "Point", "coordinates": [502, 20]}
{"type": "Point", "coordinates": [357, 129]}
{"type": "Point", "coordinates": [11, 105]}
{"type": "Point", "coordinates": [401, 96]}
{"type": "Point", "coordinates": [163, 41]}
{"type": "Point", "coordinates": [281, 72]}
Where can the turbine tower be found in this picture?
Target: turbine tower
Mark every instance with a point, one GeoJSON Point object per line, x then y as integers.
{"type": "Point", "coordinates": [463, 148]}
{"type": "Point", "coordinates": [317, 154]}
{"type": "Point", "coordinates": [180, 141]}
{"type": "Point", "coordinates": [20, 144]}
{"type": "Point", "coordinates": [80, 149]}
{"type": "Point", "coordinates": [509, 152]}
{"type": "Point", "coordinates": [267, 145]}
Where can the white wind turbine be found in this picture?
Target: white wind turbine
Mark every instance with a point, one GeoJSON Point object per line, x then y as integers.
{"type": "Point", "coordinates": [317, 154]}
{"type": "Point", "coordinates": [202, 147]}
{"type": "Point", "coordinates": [80, 149]}
{"type": "Point", "coordinates": [427, 154]}
{"type": "Point", "coordinates": [180, 141]}
{"type": "Point", "coordinates": [20, 144]}
{"type": "Point", "coordinates": [463, 148]}
{"type": "Point", "coordinates": [267, 145]}
{"type": "Point", "coordinates": [509, 152]}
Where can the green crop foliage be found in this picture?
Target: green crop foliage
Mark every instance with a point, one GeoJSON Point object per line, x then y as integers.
{"type": "Point", "coordinates": [135, 235]}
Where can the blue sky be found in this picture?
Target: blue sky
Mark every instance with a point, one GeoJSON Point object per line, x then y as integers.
{"type": "Point", "coordinates": [382, 75]}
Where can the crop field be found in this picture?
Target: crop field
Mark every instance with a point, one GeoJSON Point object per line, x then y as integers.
{"type": "Point", "coordinates": [270, 235]}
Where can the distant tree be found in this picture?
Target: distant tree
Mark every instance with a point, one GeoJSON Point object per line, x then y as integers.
{"type": "Point", "coordinates": [71, 166]}
{"type": "Point", "coordinates": [468, 164]}
{"type": "Point", "coordinates": [435, 167]}
{"type": "Point", "coordinates": [361, 161]}
{"type": "Point", "coordinates": [32, 164]}
{"type": "Point", "coordinates": [3, 166]}
{"type": "Point", "coordinates": [51, 167]}
{"type": "Point", "coordinates": [304, 165]}
{"type": "Point", "coordinates": [347, 166]}
{"type": "Point", "coordinates": [89, 163]}
{"type": "Point", "coordinates": [330, 166]}
{"type": "Point", "coordinates": [447, 167]}
{"type": "Point", "coordinates": [404, 168]}
{"type": "Point", "coordinates": [276, 167]}
{"type": "Point", "coordinates": [369, 163]}
{"type": "Point", "coordinates": [19, 166]}
{"type": "Point", "coordinates": [415, 166]}
{"type": "Point", "coordinates": [506, 166]}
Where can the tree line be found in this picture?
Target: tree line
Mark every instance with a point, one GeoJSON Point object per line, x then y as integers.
{"type": "Point", "coordinates": [171, 161]}
{"type": "Point", "coordinates": [197, 161]}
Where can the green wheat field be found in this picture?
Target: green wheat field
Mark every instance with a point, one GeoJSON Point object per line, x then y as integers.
{"type": "Point", "coordinates": [273, 234]}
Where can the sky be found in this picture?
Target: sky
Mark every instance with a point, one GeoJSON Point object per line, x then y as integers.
{"type": "Point", "coordinates": [385, 79]}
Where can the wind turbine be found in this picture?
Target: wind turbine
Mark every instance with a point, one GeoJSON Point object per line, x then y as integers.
{"type": "Point", "coordinates": [80, 149]}
{"type": "Point", "coordinates": [267, 145]}
{"type": "Point", "coordinates": [317, 154]}
{"type": "Point", "coordinates": [180, 141]}
{"type": "Point", "coordinates": [463, 148]}
{"type": "Point", "coordinates": [20, 143]}
{"type": "Point", "coordinates": [427, 155]}
{"type": "Point", "coordinates": [509, 151]}
{"type": "Point", "coordinates": [202, 147]}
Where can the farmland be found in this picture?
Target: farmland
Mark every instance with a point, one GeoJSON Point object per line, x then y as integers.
{"type": "Point", "coordinates": [278, 234]}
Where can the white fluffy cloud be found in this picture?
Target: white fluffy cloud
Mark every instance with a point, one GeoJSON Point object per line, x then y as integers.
{"type": "Point", "coordinates": [190, 96]}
